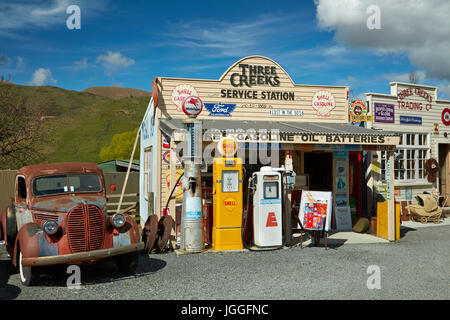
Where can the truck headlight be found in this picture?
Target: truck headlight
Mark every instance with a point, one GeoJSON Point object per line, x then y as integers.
{"type": "Point", "coordinates": [118, 220]}
{"type": "Point", "coordinates": [50, 227]}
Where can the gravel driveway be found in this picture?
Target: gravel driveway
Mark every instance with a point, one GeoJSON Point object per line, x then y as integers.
{"type": "Point", "coordinates": [415, 267]}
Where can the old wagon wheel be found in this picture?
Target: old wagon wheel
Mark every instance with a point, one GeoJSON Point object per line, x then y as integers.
{"type": "Point", "coordinates": [150, 233]}
{"type": "Point", "coordinates": [166, 224]}
{"type": "Point", "coordinates": [423, 220]}
{"type": "Point", "coordinates": [437, 220]}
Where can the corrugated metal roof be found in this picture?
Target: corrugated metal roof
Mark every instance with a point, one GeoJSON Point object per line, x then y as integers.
{"type": "Point", "coordinates": [168, 125]}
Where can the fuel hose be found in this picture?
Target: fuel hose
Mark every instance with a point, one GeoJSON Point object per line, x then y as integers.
{"type": "Point", "coordinates": [171, 192]}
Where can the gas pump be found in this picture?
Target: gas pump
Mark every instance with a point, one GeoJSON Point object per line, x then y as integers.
{"type": "Point", "coordinates": [271, 213]}
{"type": "Point", "coordinates": [227, 198]}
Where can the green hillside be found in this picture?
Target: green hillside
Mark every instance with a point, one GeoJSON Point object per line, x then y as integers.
{"type": "Point", "coordinates": [81, 123]}
{"type": "Point", "coordinates": [117, 92]}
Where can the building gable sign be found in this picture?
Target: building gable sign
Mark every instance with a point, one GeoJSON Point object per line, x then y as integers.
{"type": "Point", "coordinates": [414, 105]}
{"type": "Point", "coordinates": [256, 88]}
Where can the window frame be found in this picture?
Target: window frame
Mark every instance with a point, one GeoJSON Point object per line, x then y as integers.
{"type": "Point", "coordinates": [406, 148]}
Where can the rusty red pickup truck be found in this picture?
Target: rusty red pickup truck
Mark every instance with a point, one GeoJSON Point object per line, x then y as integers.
{"type": "Point", "coordinates": [58, 216]}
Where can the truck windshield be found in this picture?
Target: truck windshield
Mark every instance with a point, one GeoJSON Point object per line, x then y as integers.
{"type": "Point", "coordinates": [66, 184]}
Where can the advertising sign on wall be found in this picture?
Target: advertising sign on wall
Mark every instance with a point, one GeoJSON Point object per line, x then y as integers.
{"type": "Point", "coordinates": [220, 109]}
{"type": "Point", "coordinates": [446, 116]}
{"type": "Point", "coordinates": [315, 210]}
{"type": "Point", "coordinates": [180, 93]}
{"type": "Point", "coordinates": [384, 112]}
{"type": "Point", "coordinates": [323, 102]}
{"type": "Point", "coordinates": [341, 175]}
{"type": "Point", "coordinates": [411, 120]}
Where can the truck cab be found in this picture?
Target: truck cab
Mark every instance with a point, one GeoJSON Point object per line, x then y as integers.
{"type": "Point", "coordinates": [58, 216]}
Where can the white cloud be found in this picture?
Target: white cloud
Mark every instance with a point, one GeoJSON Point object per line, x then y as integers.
{"type": "Point", "coordinates": [20, 63]}
{"type": "Point", "coordinates": [42, 76]}
{"type": "Point", "coordinates": [81, 64]}
{"type": "Point", "coordinates": [420, 29]}
{"type": "Point", "coordinates": [114, 60]}
{"type": "Point", "coordinates": [232, 39]}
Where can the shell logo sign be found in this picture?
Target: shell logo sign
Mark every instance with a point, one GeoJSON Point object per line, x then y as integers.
{"type": "Point", "coordinates": [323, 102]}
{"type": "Point", "coordinates": [229, 203]}
{"type": "Point", "coordinates": [227, 146]}
{"type": "Point", "coordinates": [180, 93]}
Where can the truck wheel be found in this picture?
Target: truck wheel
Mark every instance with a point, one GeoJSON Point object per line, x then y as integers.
{"type": "Point", "coordinates": [28, 275]}
{"type": "Point", "coordinates": [128, 263]}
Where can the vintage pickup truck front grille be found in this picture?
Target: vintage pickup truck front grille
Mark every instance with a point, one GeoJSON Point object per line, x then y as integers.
{"type": "Point", "coordinates": [85, 228]}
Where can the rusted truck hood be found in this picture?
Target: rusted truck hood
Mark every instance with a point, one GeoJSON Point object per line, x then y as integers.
{"type": "Point", "coordinates": [67, 203]}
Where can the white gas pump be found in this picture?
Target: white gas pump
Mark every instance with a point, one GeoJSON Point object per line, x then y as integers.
{"type": "Point", "coordinates": [269, 186]}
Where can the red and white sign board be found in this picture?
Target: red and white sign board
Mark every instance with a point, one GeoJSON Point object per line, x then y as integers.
{"type": "Point", "coordinates": [446, 116]}
{"type": "Point", "coordinates": [192, 106]}
{"type": "Point", "coordinates": [181, 92]}
{"type": "Point", "coordinates": [323, 102]}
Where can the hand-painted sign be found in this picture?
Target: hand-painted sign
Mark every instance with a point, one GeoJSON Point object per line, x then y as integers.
{"type": "Point", "coordinates": [358, 108]}
{"type": "Point", "coordinates": [323, 102]}
{"type": "Point", "coordinates": [360, 118]}
{"type": "Point", "coordinates": [446, 116]}
{"type": "Point", "coordinates": [220, 109]}
{"type": "Point", "coordinates": [412, 105]}
{"type": "Point", "coordinates": [410, 120]}
{"type": "Point", "coordinates": [255, 75]}
{"type": "Point", "coordinates": [436, 129]}
{"type": "Point", "coordinates": [181, 92]}
{"type": "Point", "coordinates": [192, 105]}
{"type": "Point", "coordinates": [285, 112]}
{"type": "Point", "coordinates": [384, 112]}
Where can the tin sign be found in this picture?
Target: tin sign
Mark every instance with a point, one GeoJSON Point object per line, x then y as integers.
{"type": "Point", "coordinates": [192, 106]}
{"type": "Point", "coordinates": [220, 109]}
{"type": "Point", "coordinates": [446, 116]}
{"type": "Point", "coordinates": [358, 111]}
{"type": "Point", "coordinates": [384, 113]}
{"type": "Point", "coordinates": [410, 120]}
{"type": "Point", "coordinates": [181, 92]}
{"type": "Point", "coordinates": [323, 102]}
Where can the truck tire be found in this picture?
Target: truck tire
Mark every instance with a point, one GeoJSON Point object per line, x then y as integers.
{"type": "Point", "coordinates": [28, 275]}
{"type": "Point", "coordinates": [128, 263]}
{"type": "Point", "coordinates": [11, 225]}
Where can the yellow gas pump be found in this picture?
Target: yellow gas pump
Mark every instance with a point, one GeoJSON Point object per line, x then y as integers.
{"type": "Point", "coordinates": [227, 202]}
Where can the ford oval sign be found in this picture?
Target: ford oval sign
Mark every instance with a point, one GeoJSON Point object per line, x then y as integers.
{"type": "Point", "coordinates": [192, 106]}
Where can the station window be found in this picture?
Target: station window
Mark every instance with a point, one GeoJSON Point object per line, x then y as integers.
{"type": "Point", "coordinates": [409, 160]}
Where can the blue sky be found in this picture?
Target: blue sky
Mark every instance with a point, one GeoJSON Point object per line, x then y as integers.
{"type": "Point", "coordinates": [127, 43]}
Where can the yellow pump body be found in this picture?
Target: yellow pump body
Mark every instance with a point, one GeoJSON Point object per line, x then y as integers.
{"type": "Point", "coordinates": [227, 204]}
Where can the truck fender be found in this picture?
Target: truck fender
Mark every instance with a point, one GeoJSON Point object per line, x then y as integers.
{"type": "Point", "coordinates": [128, 234]}
{"type": "Point", "coordinates": [28, 241]}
